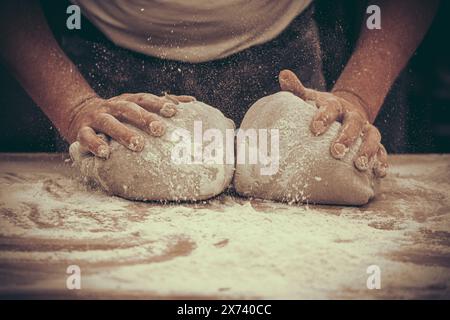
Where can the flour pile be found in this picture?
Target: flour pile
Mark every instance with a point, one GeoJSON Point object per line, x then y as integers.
{"type": "Point", "coordinates": [228, 247]}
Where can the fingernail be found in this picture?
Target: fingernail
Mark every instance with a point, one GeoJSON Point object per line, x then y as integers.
{"type": "Point", "coordinates": [318, 127]}
{"type": "Point", "coordinates": [191, 99]}
{"type": "Point", "coordinates": [136, 143]}
{"type": "Point", "coordinates": [157, 128]}
{"type": "Point", "coordinates": [380, 170]}
{"type": "Point", "coordinates": [362, 163]}
{"type": "Point", "coordinates": [338, 150]}
{"type": "Point", "coordinates": [103, 137]}
{"type": "Point", "coordinates": [103, 152]}
{"type": "Point", "coordinates": [168, 110]}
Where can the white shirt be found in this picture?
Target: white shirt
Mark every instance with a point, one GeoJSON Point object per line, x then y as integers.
{"type": "Point", "coordinates": [191, 30]}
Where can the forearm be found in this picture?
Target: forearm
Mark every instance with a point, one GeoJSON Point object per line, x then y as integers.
{"type": "Point", "coordinates": [30, 51]}
{"type": "Point", "coordinates": [380, 55]}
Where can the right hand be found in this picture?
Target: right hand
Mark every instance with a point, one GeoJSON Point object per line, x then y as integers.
{"type": "Point", "coordinates": [355, 119]}
{"type": "Point", "coordinates": [97, 115]}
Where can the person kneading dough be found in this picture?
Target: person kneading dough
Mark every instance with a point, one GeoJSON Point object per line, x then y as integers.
{"type": "Point", "coordinates": [109, 77]}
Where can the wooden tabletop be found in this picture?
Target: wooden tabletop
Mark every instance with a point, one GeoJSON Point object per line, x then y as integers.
{"type": "Point", "coordinates": [228, 247]}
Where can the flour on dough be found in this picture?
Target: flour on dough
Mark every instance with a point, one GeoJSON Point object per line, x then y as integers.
{"type": "Point", "coordinates": [151, 174]}
{"type": "Point", "coordinates": [307, 171]}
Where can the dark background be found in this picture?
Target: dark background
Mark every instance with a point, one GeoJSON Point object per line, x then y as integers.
{"type": "Point", "coordinates": [415, 117]}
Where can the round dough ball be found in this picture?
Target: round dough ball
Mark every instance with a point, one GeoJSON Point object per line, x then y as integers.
{"type": "Point", "coordinates": [153, 174]}
{"type": "Point", "coordinates": [306, 171]}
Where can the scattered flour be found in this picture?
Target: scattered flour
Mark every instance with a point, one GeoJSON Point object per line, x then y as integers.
{"type": "Point", "coordinates": [226, 247]}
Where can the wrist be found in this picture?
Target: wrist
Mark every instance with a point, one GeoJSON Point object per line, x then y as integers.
{"type": "Point", "coordinates": [356, 101]}
{"type": "Point", "coordinates": [73, 115]}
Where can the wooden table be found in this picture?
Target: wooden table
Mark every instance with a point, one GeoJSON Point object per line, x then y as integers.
{"type": "Point", "coordinates": [228, 247]}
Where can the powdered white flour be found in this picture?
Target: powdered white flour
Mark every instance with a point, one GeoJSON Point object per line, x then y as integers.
{"type": "Point", "coordinates": [226, 247]}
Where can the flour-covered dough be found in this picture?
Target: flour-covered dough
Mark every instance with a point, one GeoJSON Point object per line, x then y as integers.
{"type": "Point", "coordinates": [307, 171]}
{"type": "Point", "coordinates": [152, 174]}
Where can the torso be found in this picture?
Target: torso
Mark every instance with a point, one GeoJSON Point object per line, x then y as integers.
{"type": "Point", "coordinates": [192, 31]}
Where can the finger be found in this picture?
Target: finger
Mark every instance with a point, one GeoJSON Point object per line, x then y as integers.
{"type": "Point", "coordinates": [179, 98]}
{"type": "Point", "coordinates": [90, 141]}
{"type": "Point", "coordinates": [289, 82]}
{"type": "Point", "coordinates": [152, 103]}
{"type": "Point", "coordinates": [184, 98]}
{"type": "Point", "coordinates": [381, 163]}
{"type": "Point", "coordinates": [350, 131]}
{"type": "Point", "coordinates": [327, 114]}
{"type": "Point", "coordinates": [369, 147]}
{"type": "Point", "coordinates": [133, 114]}
{"type": "Point", "coordinates": [106, 123]}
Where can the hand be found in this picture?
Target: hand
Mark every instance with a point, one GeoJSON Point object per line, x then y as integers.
{"type": "Point", "coordinates": [348, 109]}
{"type": "Point", "coordinates": [97, 115]}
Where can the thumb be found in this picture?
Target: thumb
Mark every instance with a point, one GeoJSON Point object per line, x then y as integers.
{"type": "Point", "coordinates": [289, 82]}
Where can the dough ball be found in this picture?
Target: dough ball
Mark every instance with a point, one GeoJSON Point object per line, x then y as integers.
{"type": "Point", "coordinates": [306, 170]}
{"type": "Point", "coordinates": [153, 174]}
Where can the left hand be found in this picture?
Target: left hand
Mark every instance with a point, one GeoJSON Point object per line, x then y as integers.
{"type": "Point", "coordinates": [346, 108]}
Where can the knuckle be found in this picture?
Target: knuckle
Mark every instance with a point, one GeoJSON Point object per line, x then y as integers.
{"type": "Point", "coordinates": [321, 115]}
{"type": "Point", "coordinates": [93, 117]}
{"type": "Point", "coordinates": [345, 139]}
{"type": "Point", "coordinates": [339, 107]}
{"type": "Point", "coordinates": [83, 133]}
{"type": "Point", "coordinates": [114, 105]}
{"type": "Point", "coordinates": [355, 117]}
{"type": "Point", "coordinates": [382, 151]}
{"type": "Point", "coordinates": [140, 98]}
{"type": "Point", "coordinates": [124, 96]}
{"type": "Point", "coordinates": [368, 149]}
{"type": "Point", "coordinates": [377, 135]}
{"type": "Point", "coordinates": [348, 135]}
{"type": "Point", "coordinates": [372, 148]}
{"type": "Point", "coordinates": [102, 119]}
{"type": "Point", "coordinates": [128, 105]}
{"type": "Point", "coordinates": [113, 99]}
{"type": "Point", "coordinates": [168, 98]}
{"type": "Point", "coordinates": [374, 132]}
{"type": "Point", "coordinates": [103, 108]}
{"type": "Point", "coordinates": [352, 128]}
{"type": "Point", "coordinates": [329, 99]}
{"type": "Point", "coordinates": [334, 103]}
{"type": "Point", "coordinates": [137, 97]}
